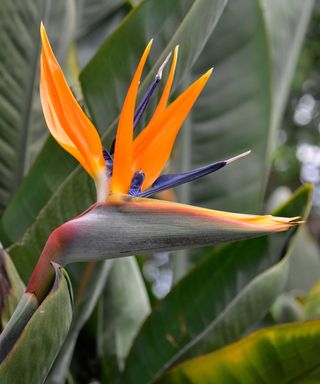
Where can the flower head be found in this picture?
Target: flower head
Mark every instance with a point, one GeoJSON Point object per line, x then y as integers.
{"type": "Point", "coordinates": [132, 167]}
{"type": "Point", "coordinates": [134, 164]}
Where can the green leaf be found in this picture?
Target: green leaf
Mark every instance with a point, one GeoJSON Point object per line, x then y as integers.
{"type": "Point", "coordinates": [281, 354]}
{"type": "Point", "coordinates": [92, 12]}
{"type": "Point", "coordinates": [45, 177]}
{"type": "Point", "coordinates": [22, 126]}
{"type": "Point", "coordinates": [88, 290]}
{"type": "Point", "coordinates": [59, 208]}
{"type": "Point", "coordinates": [287, 308]}
{"type": "Point", "coordinates": [172, 23]}
{"type": "Point", "coordinates": [60, 26]}
{"type": "Point", "coordinates": [11, 288]}
{"type": "Point", "coordinates": [53, 165]}
{"type": "Point", "coordinates": [38, 343]}
{"type": "Point", "coordinates": [123, 308]}
{"type": "Point", "coordinates": [220, 299]}
{"type": "Point", "coordinates": [93, 38]}
{"type": "Point", "coordinates": [41, 183]}
{"type": "Point", "coordinates": [304, 263]}
{"type": "Point", "coordinates": [312, 304]}
{"type": "Point", "coordinates": [254, 62]}
{"type": "Point", "coordinates": [20, 43]}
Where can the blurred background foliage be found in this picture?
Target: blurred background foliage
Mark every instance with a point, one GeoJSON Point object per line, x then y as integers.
{"type": "Point", "coordinates": [241, 108]}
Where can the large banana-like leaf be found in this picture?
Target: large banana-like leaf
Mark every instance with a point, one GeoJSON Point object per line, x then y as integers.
{"type": "Point", "coordinates": [75, 194]}
{"type": "Point", "coordinates": [20, 43]}
{"type": "Point", "coordinates": [11, 288]}
{"type": "Point", "coordinates": [219, 300]}
{"type": "Point", "coordinates": [242, 106]}
{"type": "Point", "coordinates": [282, 354]}
{"type": "Point", "coordinates": [61, 24]}
{"type": "Point", "coordinates": [92, 12]}
{"type": "Point", "coordinates": [22, 126]}
{"type": "Point", "coordinates": [123, 308]}
{"type": "Point", "coordinates": [97, 33]}
{"type": "Point", "coordinates": [304, 263]}
{"type": "Point", "coordinates": [27, 127]}
{"type": "Point", "coordinates": [37, 343]}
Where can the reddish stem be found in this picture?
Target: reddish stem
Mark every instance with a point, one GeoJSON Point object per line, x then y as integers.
{"type": "Point", "coordinates": [43, 274]}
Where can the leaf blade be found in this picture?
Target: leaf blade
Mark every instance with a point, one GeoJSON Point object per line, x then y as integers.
{"type": "Point", "coordinates": [291, 352]}
{"type": "Point", "coordinates": [47, 327]}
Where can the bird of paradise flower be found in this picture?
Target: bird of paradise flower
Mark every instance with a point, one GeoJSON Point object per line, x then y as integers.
{"type": "Point", "coordinates": [129, 172]}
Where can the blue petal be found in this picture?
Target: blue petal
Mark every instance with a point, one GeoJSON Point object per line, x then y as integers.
{"type": "Point", "coordinates": [136, 184]}
{"type": "Point", "coordinates": [108, 160]}
{"type": "Point", "coordinates": [150, 91]}
{"type": "Point", "coordinates": [146, 99]}
{"type": "Point", "coordinates": [141, 108]}
{"type": "Point", "coordinates": [173, 180]}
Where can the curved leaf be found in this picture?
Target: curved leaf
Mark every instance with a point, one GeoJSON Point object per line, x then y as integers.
{"type": "Point", "coordinates": [282, 354]}
{"type": "Point", "coordinates": [123, 308]}
{"type": "Point", "coordinates": [42, 335]}
{"type": "Point", "coordinates": [312, 307]}
{"type": "Point", "coordinates": [219, 300]}
{"type": "Point", "coordinates": [20, 43]}
{"type": "Point", "coordinates": [89, 290]}
{"type": "Point", "coordinates": [92, 12]}
{"type": "Point", "coordinates": [11, 288]}
{"type": "Point", "coordinates": [22, 126]}
{"type": "Point", "coordinates": [26, 201]}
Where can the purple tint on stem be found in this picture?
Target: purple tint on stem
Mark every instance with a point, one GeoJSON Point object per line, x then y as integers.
{"type": "Point", "coordinates": [173, 180]}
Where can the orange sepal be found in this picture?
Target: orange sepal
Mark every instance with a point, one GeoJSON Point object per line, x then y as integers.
{"type": "Point", "coordinates": [123, 153]}
{"type": "Point", "coordinates": [153, 146]}
{"type": "Point", "coordinates": [162, 105]}
{"type": "Point", "coordinates": [66, 121]}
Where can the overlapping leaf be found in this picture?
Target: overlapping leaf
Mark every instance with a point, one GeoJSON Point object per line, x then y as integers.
{"type": "Point", "coordinates": [20, 43]}
{"type": "Point", "coordinates": [11, 288]}
{"type": "Point", "coordinates": [40, 339]}
{"type": "Point", "coordinates": [282, 354]}
{"type": "Point", "coordinates": [123, 308]}
{"type": "Point", "coordinates": [89, 289]}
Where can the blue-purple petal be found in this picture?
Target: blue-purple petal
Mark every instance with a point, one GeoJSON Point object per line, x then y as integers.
{"type": "Point", "coordinates": [136, 184]}
{"type": "Point", "coordinates": [173, 180]}
{"type": "Point", "coordinates": [144, 102]}
{"type": "Point", "coordinates": [142, 107]}
{"type": "Point", "coordinates": [108, 160]}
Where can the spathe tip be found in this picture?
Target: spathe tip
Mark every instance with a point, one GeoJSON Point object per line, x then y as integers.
{"type": "Point", "coordinates": [238, 157]}
{"type": "Point", "coordinates": [159, 73]}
